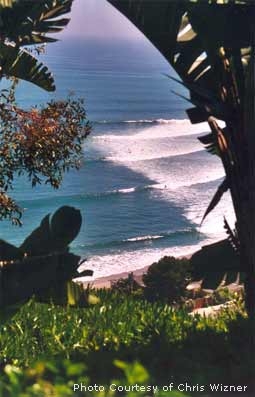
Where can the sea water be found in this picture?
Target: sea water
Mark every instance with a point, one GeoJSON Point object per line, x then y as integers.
{"type": "Point", "coordinates": [145, 180]}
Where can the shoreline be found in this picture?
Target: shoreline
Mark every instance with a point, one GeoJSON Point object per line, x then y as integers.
{"type": "Point", "coordinates": [106, 281]}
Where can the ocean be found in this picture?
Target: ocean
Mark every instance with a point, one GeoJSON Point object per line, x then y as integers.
{"type": "Point", "coordinates": [145, 180]}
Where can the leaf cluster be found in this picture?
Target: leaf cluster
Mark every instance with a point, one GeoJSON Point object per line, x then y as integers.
{"type": "Point", "coordinates": [29, 24]}
{"type": "Point", "coordinates": [42, 267]}
{"type": "Point", "coordinates": [127, 285]}
{"type": "Point", "coordinates": [41, 143]}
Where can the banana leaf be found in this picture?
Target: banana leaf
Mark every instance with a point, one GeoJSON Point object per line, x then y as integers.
{"type": "Point", "coordinates": [184, 32]}
{"type": "Point", "coordinates": [216, 264]}
{"type": "Point", "coordinates": [29, 22]}
{"type": "Point", "coordinates": [54, 234]}
{"type": "Point", "coordinates": [23, 65]}
{"type": "Point", "coordinates": [6, 3]}
{"type": "Point", "coordinates": [22, 279]}
{"type": "Point", "coordinates": [42, 266]}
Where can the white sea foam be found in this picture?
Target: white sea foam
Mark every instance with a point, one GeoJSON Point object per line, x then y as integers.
{"type": "Point", "coordinates": [158, 121]}
{"type": "Point", "coordinates": [168, 153]}
{"type": "Point", "coordinates": [128, 261]}
{"type": "Point", "coordinates": [159, 151]}
{"type": "Point", "coordinates": [149, 144]}
{"type": "Point", "coordinates": [154, 131]}
{"type": "Point", "coordinates": [145, 121]}
{"type": "Point", "coordinates": [144, 157]}
{"type": "Point", "coordinates": [129, 190]}
{"type": "Point", "coordinates": [144, 238]}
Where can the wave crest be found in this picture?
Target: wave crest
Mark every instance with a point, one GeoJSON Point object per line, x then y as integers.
{"type": "Point", "coordinates": [144, 121]}
{"type": "Point", "coordinates": [132, 241]}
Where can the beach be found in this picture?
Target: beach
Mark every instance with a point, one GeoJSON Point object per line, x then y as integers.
{"type": "Point", "coordinates": [106, 282]}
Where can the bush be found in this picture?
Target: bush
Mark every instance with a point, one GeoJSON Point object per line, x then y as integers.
{"type": "Point", "coordinates": [126, 285]}
{"type": "Point", "coordinates": [167, 280]}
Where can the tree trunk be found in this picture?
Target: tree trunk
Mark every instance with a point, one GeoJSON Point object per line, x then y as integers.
{"type": "Point", "coordinates": [246, 231]}
{"type": "Point", "coordinates": [244, 206]}
{"type": "Point", "coordinates": [243, 195]}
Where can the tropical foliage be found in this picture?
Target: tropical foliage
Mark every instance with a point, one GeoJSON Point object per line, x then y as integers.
{"type": "Point", "coordinates": [26, 23]}
{"type": "Point", "coordinates": [42, 266]}
{"type": "Point", "coordinates": [41, 143]}
{"type": "Point", "coordinates": [216, 65]}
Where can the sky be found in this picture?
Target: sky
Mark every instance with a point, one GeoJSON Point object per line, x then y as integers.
{"type": "Point", "coordinates": [99, 19]}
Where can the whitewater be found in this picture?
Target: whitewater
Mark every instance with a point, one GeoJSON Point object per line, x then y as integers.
{"type": "Point", "coordinates": [168, 153]}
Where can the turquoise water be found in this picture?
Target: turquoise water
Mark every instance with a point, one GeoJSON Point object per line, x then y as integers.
{"type": "Point", "coordinates": [145, 180]}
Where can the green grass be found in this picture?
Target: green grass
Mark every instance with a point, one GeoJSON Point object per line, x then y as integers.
{"type": "Point", "coordinates": [169, 343]}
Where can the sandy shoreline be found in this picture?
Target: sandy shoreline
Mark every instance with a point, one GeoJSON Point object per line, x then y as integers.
{"type": "Point", "coordinates": [105, 282]}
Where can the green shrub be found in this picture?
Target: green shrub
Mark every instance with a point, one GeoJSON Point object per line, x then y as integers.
{"type": "Point", "coordinates": [167, 280]}
{"type": "Point", "coordinates": [223, 295]}
{"type": "Point", "coordinates": [127, 285]}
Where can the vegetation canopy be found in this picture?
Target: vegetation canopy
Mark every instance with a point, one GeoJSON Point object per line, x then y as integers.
{"type": "Point", "coordinates": [25, 24]}
{"type": "Point", "coordinates": [41, 143]}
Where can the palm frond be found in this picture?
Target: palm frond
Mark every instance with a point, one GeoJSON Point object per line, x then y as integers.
{"type": "Point", "coordinates": [184, 32]}
{"type": "Point", "coordinates": [232, 236]}
{"type": "Point", "coordinates": [224, 186]}
{"type": "Point", "coordinates": [30, 22]}
{"type": "Point", "coordinates": [216, 264]}
{"type": "Point", "coordinates": [22, 65]}
{"type": "Point", "coordinates": [6, 3]}
{"type": "Point", "coordinates": [210, 143]}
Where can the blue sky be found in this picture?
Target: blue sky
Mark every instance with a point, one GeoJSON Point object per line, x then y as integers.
{"type": "Point", "coordinates": [97, 18]}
